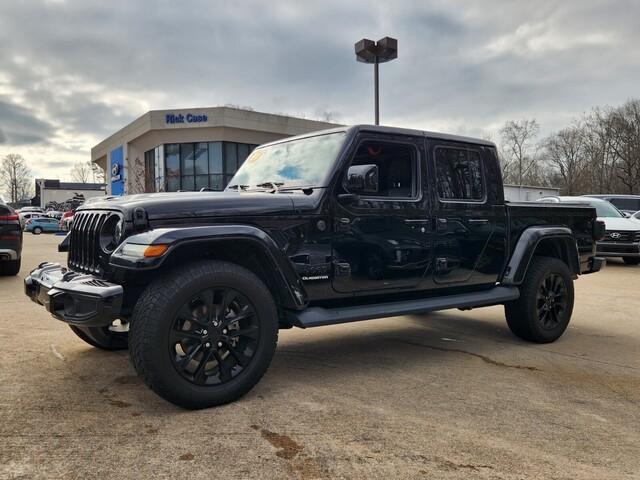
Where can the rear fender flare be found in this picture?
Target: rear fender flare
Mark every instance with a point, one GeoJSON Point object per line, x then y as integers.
{"type": "Point", "coordinates": [528, 244]}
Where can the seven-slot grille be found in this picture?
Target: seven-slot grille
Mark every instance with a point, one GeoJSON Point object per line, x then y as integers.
{"type": "Point", "coordinates": [621, 236]}
{"type": "Point", "coordinates": [84, 242]}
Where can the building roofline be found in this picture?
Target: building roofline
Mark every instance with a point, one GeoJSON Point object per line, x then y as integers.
{"type": "Point", "coordinates": [144, 124]}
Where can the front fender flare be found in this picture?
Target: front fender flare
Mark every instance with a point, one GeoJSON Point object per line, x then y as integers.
{"type": "Point", "coordinates": [287, 278]}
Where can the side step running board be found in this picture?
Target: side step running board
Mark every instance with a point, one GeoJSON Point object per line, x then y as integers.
{"type": "Point", "coordinates": [318, 316]}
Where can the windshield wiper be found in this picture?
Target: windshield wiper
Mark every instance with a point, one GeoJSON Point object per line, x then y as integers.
{"type": "Point", "coordinates": [274, 185]}
{"type": "Point", "coordinates": [236, 187]}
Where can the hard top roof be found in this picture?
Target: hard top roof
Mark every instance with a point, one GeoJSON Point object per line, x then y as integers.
{"type": "Point", "coordinates": [392, 131]}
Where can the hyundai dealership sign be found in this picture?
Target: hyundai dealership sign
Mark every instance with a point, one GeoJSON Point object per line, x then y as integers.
{"type": "Point", "coordinates": [116, 168]}
{"type": "Point", "coordinates": [172, 118]}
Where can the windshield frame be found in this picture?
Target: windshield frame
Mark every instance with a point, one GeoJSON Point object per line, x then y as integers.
{"type": "Point", "coordinates": [284, 187]}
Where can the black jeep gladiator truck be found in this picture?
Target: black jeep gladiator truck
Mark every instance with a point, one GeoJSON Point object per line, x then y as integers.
{"type": "Point", "coordinates": [336, 226]}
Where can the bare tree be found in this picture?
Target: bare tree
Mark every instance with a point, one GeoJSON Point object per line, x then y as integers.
{"type": "Point", "coordinates": [599, 156]}
{"type": "Point", "coordinates": [626, 144]}
{"type": "Point", "coordinates": [97, 173]}
{"type": "Point", "coordinates": [565, 153]}
{"type": "Point", "coordinates": [137, 175]}
{"type": "Point", "coordinates": [81, 172]}
{"type": "Point", "coordinates": [519, 151]}
{"type": "Point", "coordinates": [15, 177]}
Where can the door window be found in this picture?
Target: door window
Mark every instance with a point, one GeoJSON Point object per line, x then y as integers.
{"type": "Point", "coordinates": [459, 174]}
{"type": "Point", "coordinates": [397, 167]}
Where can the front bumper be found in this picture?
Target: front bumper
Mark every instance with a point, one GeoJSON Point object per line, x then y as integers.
{"type": "Point", "coordinates": [618, 249]}
{"type": "Point", "coordinates": [75, 298]}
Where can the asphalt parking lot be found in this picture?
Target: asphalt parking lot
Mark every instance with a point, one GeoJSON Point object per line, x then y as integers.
{"type": "Point", "coordinates": [450, 395]}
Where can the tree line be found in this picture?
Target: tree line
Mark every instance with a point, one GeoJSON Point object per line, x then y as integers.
{"type": "Point", "coordinates": [597, 153]}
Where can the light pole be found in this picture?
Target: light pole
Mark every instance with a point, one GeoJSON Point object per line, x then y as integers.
{"type": "Point", "coordinates": [368, 51]}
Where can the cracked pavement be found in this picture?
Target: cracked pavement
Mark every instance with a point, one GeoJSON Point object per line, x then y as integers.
{"type": "Point", "coordinates": [449, 395]}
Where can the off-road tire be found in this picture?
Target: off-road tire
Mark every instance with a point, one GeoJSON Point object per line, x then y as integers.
{"type": "Point", "coordinates": [631, 260]}
{"type": "Point", "coordinates": [523, 314]}
{"type": "Point", "coordinates": [102, 337]}
{"type": "Point", "coordinates": [152, 323]}
{"type": "Point", "coordinates": [10, 267]}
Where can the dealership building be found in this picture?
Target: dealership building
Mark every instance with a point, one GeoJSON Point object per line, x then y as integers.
{"type": "Point", "coordinates": [189, 149]}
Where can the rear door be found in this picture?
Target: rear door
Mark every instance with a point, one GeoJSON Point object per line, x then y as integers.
{"type": "Point", "coordinates": [470, 230]}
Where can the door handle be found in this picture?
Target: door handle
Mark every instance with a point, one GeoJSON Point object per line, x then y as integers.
{"type": "Point", "coordinates": [478, 220]}
{"type": "Point", "coordinates": [416, 221]}
{"type": "Point", "coordinates": [441, 225]}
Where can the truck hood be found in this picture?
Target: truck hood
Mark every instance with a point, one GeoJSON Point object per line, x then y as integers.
{"type": "Point", "coordinates": [620, 224]}
{"type": "Point", "coordinates": [161, 206]}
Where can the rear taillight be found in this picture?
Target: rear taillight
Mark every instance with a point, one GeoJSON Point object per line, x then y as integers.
{"type": "Point", "coordinates": [8, 217]}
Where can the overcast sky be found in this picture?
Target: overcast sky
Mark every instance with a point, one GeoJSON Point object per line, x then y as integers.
{"type": "Point", "coordinates": [73, 72]}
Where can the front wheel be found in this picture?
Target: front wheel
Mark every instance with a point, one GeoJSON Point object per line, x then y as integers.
{"type": "Point", "coordinates": [543, 311]}
{"type": "Point", "coordinates": [204, 335]}
{"type": "Point", "coordinates": [631, 260]}
{"type": "Point", "coordinates": [36, 231]}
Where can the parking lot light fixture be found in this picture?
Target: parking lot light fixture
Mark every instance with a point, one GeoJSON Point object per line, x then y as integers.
{"type": "Point", "coordinates": [368, 51]}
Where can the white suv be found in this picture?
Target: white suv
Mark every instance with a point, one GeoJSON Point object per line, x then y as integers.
{"type": "Point", "coordinates": [622, 238]}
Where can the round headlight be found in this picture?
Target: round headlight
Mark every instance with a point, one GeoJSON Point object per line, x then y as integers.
{"type": "Point", "coordinates": [119, 230]}
{"type": "Point", "coordinates": [111, 233]}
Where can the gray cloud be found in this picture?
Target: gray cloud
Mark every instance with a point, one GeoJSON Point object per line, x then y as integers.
{"type": "Point", "coordinates": [89, 67]}
{"type": "Point", "coordinates": [20, 126]}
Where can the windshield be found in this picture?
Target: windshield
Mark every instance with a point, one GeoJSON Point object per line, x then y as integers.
{"type": "Point", "coordinates": [305, 162]}
{"type": "Point", "coordinates": [605, 209]}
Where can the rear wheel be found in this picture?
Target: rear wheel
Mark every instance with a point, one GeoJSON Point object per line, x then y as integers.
{"type": "Point", "coordinates": [9, 267]}
{"type": "Point", "coordinates": [36, 231]}
{"type": "Point", "coordinates": [543, 311]}
{"type": "Point", "coordinates": [631, 260]}
{"type": "Point", "coordinates": [112, 337]}
{"type": "Point", "coordinates": [205, 334]}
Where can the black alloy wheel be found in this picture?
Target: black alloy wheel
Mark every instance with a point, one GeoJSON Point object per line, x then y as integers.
{"type": "Point", "coordinates": [551, 301]}
{"type": "Point", "coordinates": [204, 333]}
{"type": "Point", "coordinates": [543, 311]}
{"type": "Point", "coordinates": [214, 336]}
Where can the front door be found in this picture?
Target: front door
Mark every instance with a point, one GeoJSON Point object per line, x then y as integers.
{"type": "Point", "coordinates": [470, 223]}
{"type": "Point", "coordinates": [382, 237]}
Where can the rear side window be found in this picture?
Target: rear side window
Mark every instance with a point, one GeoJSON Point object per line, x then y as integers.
{"type": "Point", "coordinates": [459, 174]}
{"type": "Point", "coordinates": [626, 203]}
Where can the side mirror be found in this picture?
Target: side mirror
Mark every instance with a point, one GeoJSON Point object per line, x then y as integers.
{"type": "Point", "coordinates": [362, 179]}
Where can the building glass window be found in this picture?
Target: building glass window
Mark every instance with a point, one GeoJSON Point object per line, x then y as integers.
{"type": "Point", "coordinates": [150, 171]}
{"type": "Point", "coordinates": [172, 167]}
{"type": "Point", "coordinates": [230, 160]}
{"type": "Point", "coordinates": [201, 159]}
{"type": "Point", "coordinates": [194, 166]}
